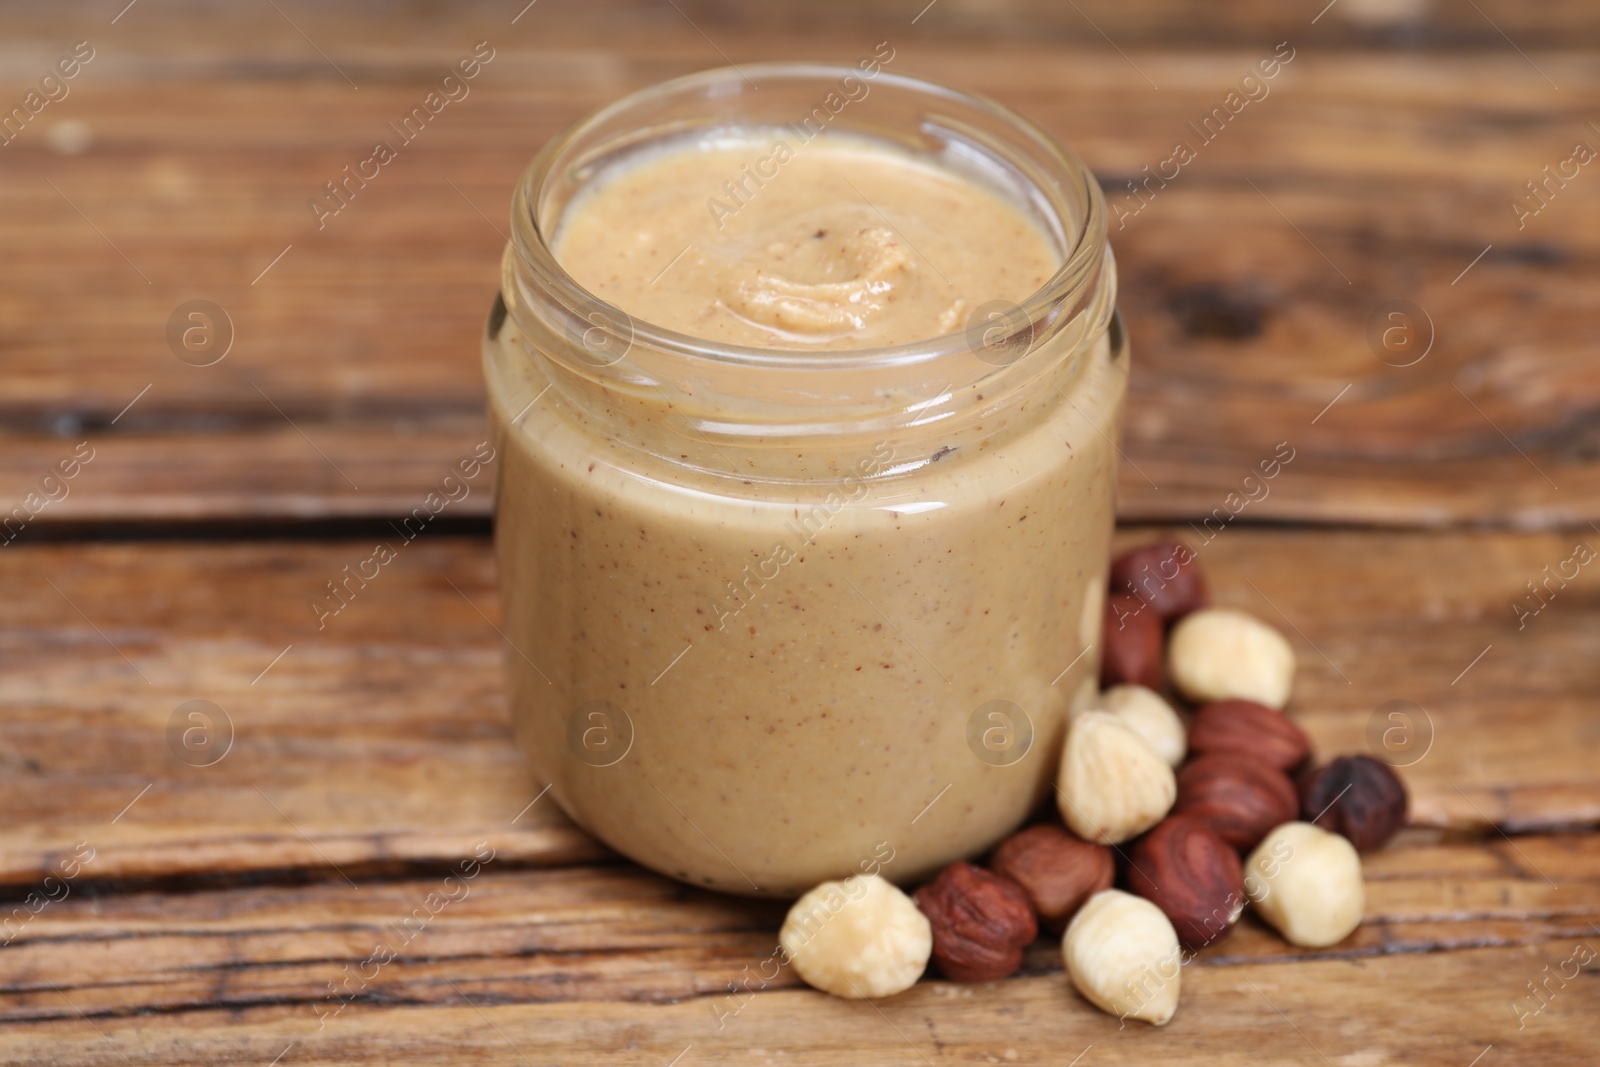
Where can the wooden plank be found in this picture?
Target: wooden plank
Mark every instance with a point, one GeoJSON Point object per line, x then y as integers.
{"type": "Point", "coordinates": [618, 933]}
{"type": "Point", "coordinates": [273, 471]}
{"type": "Point", "coordinates": [1426, 1009]}
{"type": "Point", "coordinates": [381, 741]}
{"type": "Point", "coordinates": [632, 24]}
{"type": "Point", "coordinates": [1391, 171]}
{"type": "Point", "coordinates": [1186, 24]}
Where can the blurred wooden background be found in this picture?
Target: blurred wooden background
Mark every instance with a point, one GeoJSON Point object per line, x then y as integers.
{"type": "Point", "coordinates": [1382, 163]}
{"type": "Point", "coordinates": [222, 900]}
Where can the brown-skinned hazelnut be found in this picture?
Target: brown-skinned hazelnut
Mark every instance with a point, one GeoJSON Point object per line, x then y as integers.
{"type": "Point", "coordinates": [1165, 575]}
{"type": "Point", "coordinates": [981, 923]}
{"type": "Point", "coordinates": [1357, 797]}
{"type": "Point", "coordinates": [1187, 870]}
{"type": "Point", "coordinates": [1238, 797]}
{"type": "Point", "coordinates": [1056, 870]}
{"type": "Point", "coordinates": [1131, 643]}
{"type": "Point", "coordinates": [1249, 729]}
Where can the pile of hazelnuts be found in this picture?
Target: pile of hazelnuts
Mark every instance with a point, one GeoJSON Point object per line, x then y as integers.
{"type": "Point", "coordinates": [1171, 823]}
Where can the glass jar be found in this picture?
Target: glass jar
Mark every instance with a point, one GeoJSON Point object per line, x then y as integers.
{"type": "Point", "coordinates": [777, 616]}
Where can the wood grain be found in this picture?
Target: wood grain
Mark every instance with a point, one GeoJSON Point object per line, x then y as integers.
{"type": "Point", "coordinates": [381, 740]}
{"type": "Point", "coordinates": [1428, 1009]}
{"type": "Point", "coordinates": [265, 472]}
{"type": "Point", "coordinates": [617, 933]}
{"type": "Point", "coordinates": [1378, 176]}
{"type": "Point", "coordinates": [628, 26]}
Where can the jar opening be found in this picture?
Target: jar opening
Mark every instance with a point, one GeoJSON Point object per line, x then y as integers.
{"type": "Point", "coordinates": [968, 135]}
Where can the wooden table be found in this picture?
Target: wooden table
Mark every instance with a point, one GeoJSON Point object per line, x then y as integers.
{"type": "Point", "coordinates": [168, 912]}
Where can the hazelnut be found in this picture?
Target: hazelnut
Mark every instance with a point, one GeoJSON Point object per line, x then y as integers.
{"type": "Point", "coordinates": [1148, 715]}
{"type": "Point", "coordinates": [1130, 643]}
{"type": "Point", "coordinates": [1249, 729]}
{"type": "Point", "coordinates": [1221, 654]}
{"type": "Point", "coordinates": [1057, 871]}
{"type": "Point", "coordinates": [1187, 870]}
{"type": "Point", "coordinates": [981, 923]}
{"type": "Point", "coordinates": [1236, 796]}
{"type": "Point", "coordinates": [1356, 796]}
{"type": "Point", "coordinates": [858, 938]}
{"type": "Point", "coordinates": [1307, 883]}
{"type": "Point", "coordinates": [1112, 785]}
{"type": "Point", "coordinates": [1122, 955]}
{"type": "Point", "coordinates": [1166, 576]}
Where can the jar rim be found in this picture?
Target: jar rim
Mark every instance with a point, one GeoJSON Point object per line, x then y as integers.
{"type": "Point", "coordinates": [1072, 283]}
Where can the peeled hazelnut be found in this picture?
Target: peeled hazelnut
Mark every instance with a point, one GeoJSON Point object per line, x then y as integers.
{"type": "Point", "coordinates": [1188, 871]}
{"type": "Point", "coordinates": [981, 923]}
{"type": "Point", "coordinates": [1238, 797]}
{"type": "Point", "coordinates": [1356, 796]}
{"type": "Point", "coordinates": [861, 937]}
{"type": "Point", "coordinates": [1057, 871]}
{"type": "Point", "coordinates": [1307, 883]}
{"type": "Point", "coordinates": [1148, 715]}
{"type": "Point", "coordinates": [1252, 730]}
{"type": "Point", "coordinates": [1112, 785]}
{"type": "Point", "coordinates": [1122, 955]}
{"type": "Point", "coordinates": [1130, 643]}
{"type": "Point", "coordinates": [1166, 576]}
{"type": "Point", "coordinates": [1221, 654]}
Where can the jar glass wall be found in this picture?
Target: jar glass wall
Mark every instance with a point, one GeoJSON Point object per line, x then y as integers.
{"type": "Point", "coordinates": [774, 616]}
